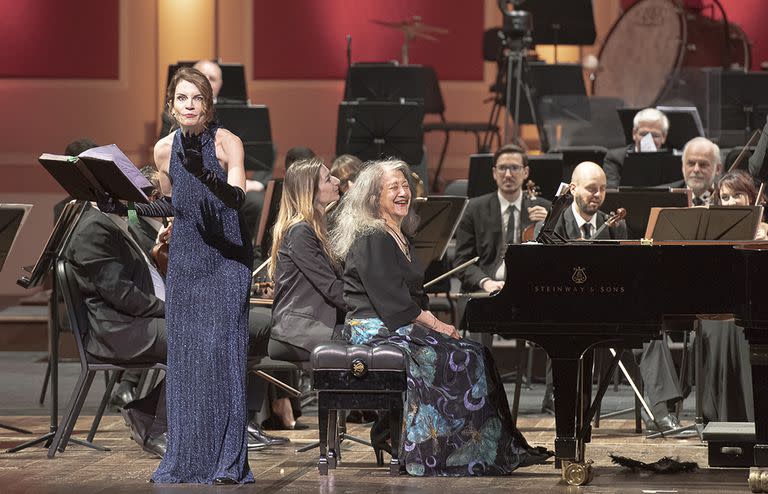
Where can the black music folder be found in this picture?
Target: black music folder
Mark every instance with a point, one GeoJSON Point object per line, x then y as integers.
{"type": "Point", "coordinates": [438, 219]}
{"type": "Point", "coordinates": [704, 223]}
{"type": "Point", "coordinates": [100, 169]}
{"type": "Point", "coordinates": [639, 201]}
{"type": "Point", "coordinates": [651, 169]}
{"type": "Point", "coordinates": [12, 217]}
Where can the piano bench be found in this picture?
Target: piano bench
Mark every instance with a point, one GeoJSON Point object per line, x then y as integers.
{"type": "Point", "coordinates": [357, 377]}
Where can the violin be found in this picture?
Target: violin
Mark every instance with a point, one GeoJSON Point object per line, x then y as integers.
{"type": "Point", "coordinates": [533, 192]}
{"type": "Point", "coordinates": [159, 252]}
{"type": "Point", "coordinates": [612, 220]}
{"type": "Point", "coordinates": [160, 256]}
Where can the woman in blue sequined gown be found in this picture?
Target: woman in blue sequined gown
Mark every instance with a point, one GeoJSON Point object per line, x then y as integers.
{"type": "Point", "coordinates": [208, 282]}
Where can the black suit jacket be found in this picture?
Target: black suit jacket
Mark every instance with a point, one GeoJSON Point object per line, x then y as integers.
{"type": "Point", "coordinates": [479, 234]}
{"type": "Point", "coordinates": [117, 288]}
{"type": "Point", "coordinates": [309, 295]}
{"type": "Point", "coordinates": [568, 228]}
{"type": "Point", "coordinates": [612, 164]}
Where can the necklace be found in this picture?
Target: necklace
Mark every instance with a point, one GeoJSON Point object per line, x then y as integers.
{"type": "Point", "coordinates": [402, 244]}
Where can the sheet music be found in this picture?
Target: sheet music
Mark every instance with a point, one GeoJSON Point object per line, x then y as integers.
{"type": "Point", "coordinates": [112, 153]}
{"type": "Point", "coordinates": [647, 145]}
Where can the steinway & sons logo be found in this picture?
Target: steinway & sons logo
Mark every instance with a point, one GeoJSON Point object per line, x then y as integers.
{"type": "Point", "coordinates": [578, 285]}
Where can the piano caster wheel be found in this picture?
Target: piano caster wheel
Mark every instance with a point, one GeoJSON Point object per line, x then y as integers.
{"type": "Point", "coordinates": [577, 473]}
{"type": "Point", "coordinates": [758, 479]}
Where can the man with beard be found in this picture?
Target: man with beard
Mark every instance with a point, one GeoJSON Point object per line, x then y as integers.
{"type": "Point", "coordinates": [492, 221]}
{"type": "Point", "coordinates": [701, 165]}
{"type": "Point", "coordinates": [584, 217]}
{"type": "Point", "coordinates": [581, 221]}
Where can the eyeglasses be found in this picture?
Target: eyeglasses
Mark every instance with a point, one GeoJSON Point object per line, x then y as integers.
{"type": "Point", "coordinates": [509, 168]}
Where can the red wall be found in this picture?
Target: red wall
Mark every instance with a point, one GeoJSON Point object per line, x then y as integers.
{"type": "Point", "coordinates": [306, 39]}
{"type": "Point", "coordinates": [59, 39]}
{"type": "Point", "coordinates": [750, 15]}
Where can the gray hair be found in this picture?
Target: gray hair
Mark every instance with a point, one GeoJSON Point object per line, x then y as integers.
{"type": "Point", "coordinates": [651, 115]}
{"type": "Point", "coordinates": [359, 212]}
{"type": "Point", "coordinates": [714, 149]}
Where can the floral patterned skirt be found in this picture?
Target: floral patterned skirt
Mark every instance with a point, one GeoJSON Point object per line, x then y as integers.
{"type": "Point", "coordinates": [456, 419]}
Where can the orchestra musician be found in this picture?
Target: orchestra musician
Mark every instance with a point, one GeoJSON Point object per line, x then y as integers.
{"type": "Point", "coordinates": [492, 221]}
{"type": "Point", "coordinates": [346, 168]}
{"type": "Point", "coordinates": [726, 374]}
{"type": "Point", "coordinates": [701, 165]}
{"type": "Point", "coordinates": [647, 121]}
{"type": "Point", "coordinates": [309, 301]}
{"type": "Point", "coordinates": [383, 286]}
{"type": "Point", "coordinates": [657, 368]}
{"type": "Point", "coordinates": [584, 218]}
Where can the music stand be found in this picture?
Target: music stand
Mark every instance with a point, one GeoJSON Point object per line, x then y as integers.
{"type": "Point", "coordinates": [379, 129]}
{"type": "Point", "coordinates": [574, 155]}
{"type": "Point", "coordinates": [252, 125]}
{"type": "Point", "coordinates": [272, 195]}
{"type": "Point", "coordinates": [12, 217]}
{"type": "Point", "coordinates": [684, 124]}
{"type": "Point", "coordinates": [551, 17]}
{"type": "Point", "coordinates": [438, 219]}
{"type": "Point", "coordinates": [385, 82]}
{"type": "Point", "coordinates": [707, 223]}
{"type": "Point", "coordinates": [651, 169]}
{"type": "Point", "coordinates": [545, 170]}
{"type": "Point", "coordinates": [233, 88]}
{"type": "Point", "coordinates": [46, 262]}
{"type": "Point", "coordinates": [744, 102]}
{"type": "Point", "coordinates": [638, 203]}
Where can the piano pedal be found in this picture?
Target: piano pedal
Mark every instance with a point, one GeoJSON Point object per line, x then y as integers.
{"type": "Point", "coordinates": [578, 473]}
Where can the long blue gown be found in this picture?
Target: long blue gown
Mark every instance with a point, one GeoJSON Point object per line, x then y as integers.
{"type": "Point", "coordinates": [208, 282]}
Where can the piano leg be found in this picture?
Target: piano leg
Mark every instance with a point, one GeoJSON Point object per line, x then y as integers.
{"type": "Point", "coordinates": [758, 356]}
{"type": "Point", "coordinates": [569, 446]}
{"type": "Point", "coordinates": [583, 425]}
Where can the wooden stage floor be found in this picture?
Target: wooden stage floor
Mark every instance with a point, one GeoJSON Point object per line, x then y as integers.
{"type": "Point", "coordinates": [126, 468]}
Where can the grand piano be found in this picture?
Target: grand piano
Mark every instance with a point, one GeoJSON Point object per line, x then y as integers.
{"type": "Point", "coordinates": [569, 298]}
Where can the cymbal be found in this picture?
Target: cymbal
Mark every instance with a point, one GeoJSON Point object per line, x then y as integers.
{"type": "Point", "coordinates": [413, 27]}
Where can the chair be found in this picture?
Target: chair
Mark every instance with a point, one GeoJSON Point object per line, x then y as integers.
{"type": "Point", "coordinates": [357, 377]}
{"type": "Point", "coordinates": [434, 105]}
{"type": "Point", "coordinates": [89, 365]}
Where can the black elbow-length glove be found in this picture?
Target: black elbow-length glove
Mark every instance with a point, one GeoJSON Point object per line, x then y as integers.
{"type": "Point", "coordinates": [232, 196]}
{"type": "Point", "coordinates": [159, 208]}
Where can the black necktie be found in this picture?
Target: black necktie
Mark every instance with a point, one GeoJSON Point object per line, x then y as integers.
{"type": "Point", "coordinates": [587, 229]}
{"type": "Point", "coordinates": [511, 225]}
{"type": "Point", "coordinates": [697, 201]}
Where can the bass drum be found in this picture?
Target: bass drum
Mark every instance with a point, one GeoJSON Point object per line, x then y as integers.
{"type": "Point", "coordinates": [649, 44]}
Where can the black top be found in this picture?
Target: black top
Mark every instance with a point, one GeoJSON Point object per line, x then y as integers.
{"type": "Point", "coordinates": [379, 281]}
{"type": "Point", "coordinates": [308, 298]}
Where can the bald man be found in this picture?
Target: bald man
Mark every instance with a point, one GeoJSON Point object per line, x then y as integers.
{"type": "Point", "coordinates": [584, 218]}
{"type": "Point", "coordinates": [580, 221]}
{"type": "Point", "coordinates": [212, 71]}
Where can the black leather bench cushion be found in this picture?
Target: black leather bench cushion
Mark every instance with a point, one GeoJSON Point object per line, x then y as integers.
{"type": "Point", "coordinates": [338, 355]}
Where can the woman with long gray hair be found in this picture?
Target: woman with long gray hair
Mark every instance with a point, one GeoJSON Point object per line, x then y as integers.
{"type": "Point", "coordinates": [457, 420]}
